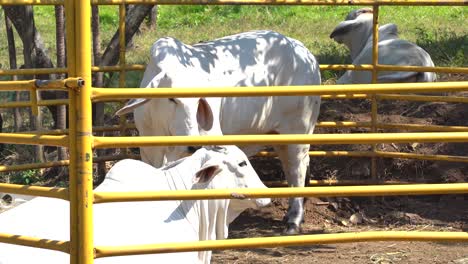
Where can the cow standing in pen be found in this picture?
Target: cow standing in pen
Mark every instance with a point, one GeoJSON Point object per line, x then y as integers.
{"type": "Point", "coordinates": [356, 33]}
{"type": "Point", "coordinates": [139, 223]}
{"type": "Point", "coordinates": [255, 58]}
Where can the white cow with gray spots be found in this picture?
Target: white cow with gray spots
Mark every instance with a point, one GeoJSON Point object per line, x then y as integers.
{"type": "Point", "coordinates": [137, 223]}
{"type": "Point", "coordinates": [356, 33]}
{"type": "Point", "coordinates": [255, 58]}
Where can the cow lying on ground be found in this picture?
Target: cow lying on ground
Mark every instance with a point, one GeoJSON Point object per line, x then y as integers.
{"type": "Point", "coordinates": [356, 33]}
{"type": "Point", "coordinates": [137, 223]}
{"type": "Point", "coordinates": [256, 58]}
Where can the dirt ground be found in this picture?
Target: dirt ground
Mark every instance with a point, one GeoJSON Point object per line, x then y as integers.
{"type": "Point", "coordinates": [439, 213]}
{"type": "Point", "coordinates": [337, 215]}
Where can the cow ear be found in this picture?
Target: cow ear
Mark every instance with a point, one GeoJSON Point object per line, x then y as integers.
{"type": "Point", "coordinates": [343, 29]}
{"type": "Point", "coordinates": [204, 115]}
{"type": "Point", "coordinates": [131, 105]}
{"type": "Point", "coordinates": [206, 173]}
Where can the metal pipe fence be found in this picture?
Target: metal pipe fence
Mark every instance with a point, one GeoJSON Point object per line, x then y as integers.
{"type": "Point", "coordinates": [81, 142]}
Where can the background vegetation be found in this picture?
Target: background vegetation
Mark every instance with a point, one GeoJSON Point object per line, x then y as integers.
{"type": "Point", "coordinates": [440, 30]}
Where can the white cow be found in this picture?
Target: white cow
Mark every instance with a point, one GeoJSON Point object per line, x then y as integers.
{"type": "Point", "coordinates": [356, 33]}
{"type": "Point", "coordinates": [256, 58]}
{"type": "Point", "coordinates": [117, 224]}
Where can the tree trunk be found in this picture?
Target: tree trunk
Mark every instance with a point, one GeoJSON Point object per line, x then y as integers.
{"type": "Point", "coordinates": [135, 16]}
{"type": "Point", "coordinates": [61, 110]}
{"type": "Point", "coordinates": [34, 53]}
{"type": "Point", "coordinates": [37, 125]}
{"type": "Point", "coordinates": [98, 76]}
{"type": "Point", "coordinates": [18, 121]}
{"type": "Point", "coordinates": [152, 17]}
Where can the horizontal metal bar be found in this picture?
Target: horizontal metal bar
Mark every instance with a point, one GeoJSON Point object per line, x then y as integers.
{"type": "Point", "coordinates": [17, 85]}
{"type": "Point", "coordinates": [412, 127]}
{"type": "Point", "coordinates": [62, 84]}
{"type": "Point", "coordinates": [342, 124]}
{"type": "Point", "coordinates": [329, 191]}
{"type": "Point", "coordinates": [402, 155]}
{"type": "Point", "coordinates": [32, 139]}
{"type": "Point", "coordinates": [4, 168]}
{"type": "Point", "coordinates": [420, 127]}
{"type": "Point", "coordinates": [63, 246]}
{"type": "Point", "coordinates": [322, 139]}
{"type": "Point", "coordinates": [59, 84]}
{"type": "Point", "coordinates": [60, 163]}
{"type": "Point", "coordinates": [130, 67]}
{"type": "Point", "coordinates": [381, 67]}
{"type": "Point", "coordinates": [52, 192]}
{"type": "Point", "coordinates": [329, 153]}
{"type": "Point", "coordinates": [122, 93]}
{"type": "Point", "coordinates": [381, 154]}
{"type": "Point", "coordinates": [282, 241]}
{"type": "Point", "coordinates": [342, 153]}
{"type": "Point", "coordinates": [284, 2]}
{"type": "Point", "coordinates": [335, 67]}
{"type": "Point", "coordinates": [39, 103]}
{"type": "Point", "coordinates": [142, 67]}
{"type": "Point", "coordinates": [357, 154]}
{"type": "Point", "coordinates": [34, 71]}
{"type": "Point", "coordinates": [418, 98]}
{"type": "Point", "coordinates": [339, 182]}
{"type": "Point", "coordinates": [423, 98]}
{"type": "Point", "coordinates": [345, 96]}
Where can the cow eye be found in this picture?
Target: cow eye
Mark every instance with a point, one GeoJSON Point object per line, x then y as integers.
{"type": "Point", "coordinates": [173, 100]}
{"type": "Point", "coordinates": [243, 163]}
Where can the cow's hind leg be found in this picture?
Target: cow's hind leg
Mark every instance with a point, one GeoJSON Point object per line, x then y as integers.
{"type": "Point", "coordinates": [295, 162]}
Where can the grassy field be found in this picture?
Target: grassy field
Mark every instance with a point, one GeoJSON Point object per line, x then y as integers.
{"type": "Point", "coordinates": [440, 30]}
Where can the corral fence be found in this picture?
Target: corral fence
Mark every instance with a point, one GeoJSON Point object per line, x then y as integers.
{"type": "Point", "coordinates": [81, 142]}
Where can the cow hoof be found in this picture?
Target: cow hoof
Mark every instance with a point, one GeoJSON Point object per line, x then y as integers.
{"type": "Point", "coordinates": [291, 229]}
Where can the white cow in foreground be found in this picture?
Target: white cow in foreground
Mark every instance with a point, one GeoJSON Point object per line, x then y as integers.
{"type": "Point", "coordinates": [136, 223]}
{"type": "Point", "coordinates": [356, 33]}
{"type": "Point", "coordinates": [256, 58]}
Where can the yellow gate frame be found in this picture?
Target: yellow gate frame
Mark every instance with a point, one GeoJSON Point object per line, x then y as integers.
{"type": "Point", "coordinates": [81, 142]}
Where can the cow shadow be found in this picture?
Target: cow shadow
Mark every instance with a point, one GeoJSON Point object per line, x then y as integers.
{"type": "Point", "coordinates": [447, 48]}
{"type": "Point", "coordinates": [259, 224]}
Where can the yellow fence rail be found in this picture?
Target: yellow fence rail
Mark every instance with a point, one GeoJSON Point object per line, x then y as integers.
{"type": "Point", "coordinates": [80, 140]}
{"type": "Point", "coordinates": [283, 241]}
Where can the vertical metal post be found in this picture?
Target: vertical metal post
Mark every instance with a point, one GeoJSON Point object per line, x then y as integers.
{"type": "Point", "coordinates": [72, 168]}
{"type": "Point", "coordinates": [122, 46]}
{"type": "Point", "coordinates": [375, 62]}
{"type": "Point", "coordinates": [82, 200]}
{"type": "Point", "coordinates": [122, 16]}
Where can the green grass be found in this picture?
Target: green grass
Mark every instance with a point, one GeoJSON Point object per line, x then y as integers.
{"type": "Point", "coordinates": [439, 30]}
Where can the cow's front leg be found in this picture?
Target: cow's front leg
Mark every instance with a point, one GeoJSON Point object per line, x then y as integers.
{"type": "Point", "coordinates": [295, 161]}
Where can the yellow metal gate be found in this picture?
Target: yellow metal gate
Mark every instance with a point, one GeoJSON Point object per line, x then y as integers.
{"type": "Point", "coordinates": [80, 140]}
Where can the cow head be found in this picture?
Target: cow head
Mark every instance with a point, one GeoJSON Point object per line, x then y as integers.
{"type": "Point", "coordinates": [227, 167]}
{"type": "Point", "coordinates": [173, 116]}
{"type": "Point", "coordinates": [355, 31]}
{"type": "Point", "coordinates": [188, 117]}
